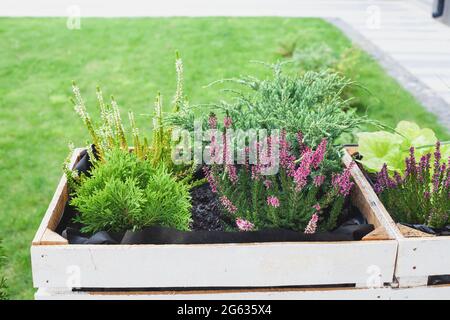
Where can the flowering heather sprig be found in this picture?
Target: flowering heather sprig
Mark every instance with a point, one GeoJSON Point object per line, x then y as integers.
{"type": "Point", "coordinates": [411, 165]}
{"type": "Point", "coordinates": [273, 201]}
{"type": "Point", "coordinates": [267, 184]}
{"type": "Point", "coordinates": [318, 180]}
{"type": "Point", "coordinates": [211, 180]}
{"type": "Point", "coordinates": [286, 158]}
{"type": "Point", "coordinates": [232, 173]}
{"type": "Point", "coordinates": [179, 92]}
{"type": "Point", "coordinates": [255, 172]}
{"type": "Point", "coordinates": [437, 167]}
{"type": "Point", "coordinates": [424, 166]}
{"type": "Point", "coordinates": [227, 122]}
{"type": "Point", "coordinates": [228, 205]}
{"type": "Point", "coordinates": [384, 181]}
{"type": "Point", "coordinates": [212, 121]}
{"type": "Point", "coordinates": [317, 207]}
{"type": "Point", "coordinates": [343, 181]}
{"type": "Point", "coordinates": [244, 225]}
{"type": "Point", "coordinates": [302, 172]}
{"type": "Point", "coordinates": [319, 153]}
{"type": "Point", "coordinates": [312, 224]}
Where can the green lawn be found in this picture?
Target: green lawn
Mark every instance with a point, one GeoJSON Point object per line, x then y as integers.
{"type": "Point", "coordinates": [132, 59]}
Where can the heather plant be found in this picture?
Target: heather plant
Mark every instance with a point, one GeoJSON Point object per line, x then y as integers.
{"type": "Point", "coordinates": [304, 196]}
{"type": "Point", "coordinates": [421, 194]}
{"type": "Point", "coordinates": [128, 193]}
{"type": "Point", "coordinates": [109, 133]}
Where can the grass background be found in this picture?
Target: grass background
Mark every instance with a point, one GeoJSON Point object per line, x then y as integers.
{"type": "Point", "coordinates": [132, 59]}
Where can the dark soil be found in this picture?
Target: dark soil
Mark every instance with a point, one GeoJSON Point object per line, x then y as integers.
{"type": "Point", "coordinates": [206, 213]}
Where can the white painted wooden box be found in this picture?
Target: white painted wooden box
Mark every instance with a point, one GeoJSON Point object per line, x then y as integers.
{"type": "Point", "coordinates": [57, 265]}
{"type": "Point", "coordinates": [420, 256]}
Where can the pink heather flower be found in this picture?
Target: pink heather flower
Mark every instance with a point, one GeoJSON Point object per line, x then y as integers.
{"type": "Point", "coordinates": [383, 181]}
{"type": "Point", "coordinates": [226, 152]}
{"type": "Point", "coordinates": [286, 158]}
{"type": "Point", "coordinates": [411, 165]}
{"type": "Point", "coordinates": [210, 177]}
{"type": "Point", "coordinates": [244, 225]}
{"type": "Point", "coordinates": [312, 224]}
{"type": "Point", "coordinates": [273, 201]}
{"type": "Point", "coordinates": [255, 172]}
{"type": "Point", "coordinates": [231, 208]}
{"type": "Point", "coordinates": [437, 167]}
{"type": "Point", "coordinates": [267, 184]}
{"type": "Point", "coordinates": [214, 150]}
{"type": "Point", "coordinates": [317, 207]}
{"type": "Point", "coordinates": [398, 178]}
{"type": "Point", "coordinates": [424, 166]}
{"type": "Point", "coordinates": [302, 172]}
{"type": "Point", "coordinates": [319, 153]}
{"type": "Point", "coordinates": [447, 181]}
{"type": "Point", "coordinates": [212, 121]}
{"type": "Point", "coordinates": [227, 122]}
{"type": "Point", "coordinates": [343, 181]}
{"type": "Point", "coordinates": [319, 180]}
{"type": "Point", "coordinates": [232, 173]}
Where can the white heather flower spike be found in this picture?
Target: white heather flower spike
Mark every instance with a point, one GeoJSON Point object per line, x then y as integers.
{"type": "Point", "coordinates": [179, 93]}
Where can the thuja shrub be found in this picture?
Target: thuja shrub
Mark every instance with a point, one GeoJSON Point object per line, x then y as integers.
{"type": "Point", "coordinates": [420, 194]}
{"type": "Point", "coordinates": [304, 195]}
{"type": "Point", "coordinates": [128, 193]}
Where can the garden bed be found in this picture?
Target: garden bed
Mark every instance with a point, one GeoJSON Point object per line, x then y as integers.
{"type": "Point", "coordinates": [422, 258]}
{"type": "Point", "coordinates": [226, 265]}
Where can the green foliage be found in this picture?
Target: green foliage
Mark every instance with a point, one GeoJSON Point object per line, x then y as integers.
{"type": "Point", "coordinates": [129, 193]}
{"type": "Point", "coordinates": [422, 194]}
{"type": "Point", "coordinates": [311, 104]}
{"type": "Point", "coordinates": [383, 147]}
{"type": "Point", "coordinates": [320, 56]}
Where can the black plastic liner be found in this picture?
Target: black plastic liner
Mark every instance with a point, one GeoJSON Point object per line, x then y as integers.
{"type": "Point", "coordinates": [164, 235]}
{"type": "Point", "coordinates": [351, 230]}
{"type": "Point", "coordinates": [445, 231]}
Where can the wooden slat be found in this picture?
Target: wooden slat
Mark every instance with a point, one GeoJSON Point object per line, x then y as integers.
{"type": "Point", "coordinates": [408, 232]}
{"type": "Point", "coordinates": [377, 234]}
{"type": "Point", "coordinates": [56, 207]}
{"type": "Point", "coordinates": [214, 265]}
{"type": "Point", "coordinates": [52, 238]}
{"type": "Point", "coordinates": [365, 199]}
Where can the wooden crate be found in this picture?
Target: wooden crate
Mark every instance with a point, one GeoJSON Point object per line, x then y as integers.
{"type": "Point", "coordinates": [58, 265]}
{"type": "Point", "coordinates": [420, 255]}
